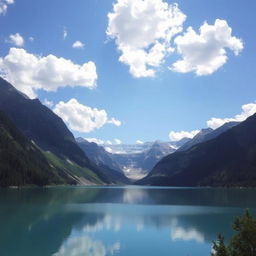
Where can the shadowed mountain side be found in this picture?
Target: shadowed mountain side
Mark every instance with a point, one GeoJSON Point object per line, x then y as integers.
{"type": "Point", "coordinates": [207, 134]}
{"type": "Point", "coordinates": [39, 124]}
{"type": "Point", "coordinates": [227, 160]}
{"type": "Point", "coordinates": [22, 163]}
{"type": "Point", "coordinates": [103, 160]}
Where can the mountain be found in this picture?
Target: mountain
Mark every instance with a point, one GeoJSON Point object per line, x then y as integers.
{"type": "Point", "coordinates": [155, 154]}
{"type": "Point", "coordinates": [139, 164]}
{"type": "Point", "coordinates": [97, 154]}
{"type": "Point", "coordinates": [40, 125]}
{"type": "Point", "coordinates": [140, 148]}
{"type": "Point", "coordinates": [21, 162]}
{"type": "Point", "coordinates": [128, 148]}
{"type": "Point", "coordinates": [198, 138]}
{"type": "Point", "coordinates": [227, 160]}
{"type": "Point", "coordinates": [207, 134]}
{"type": "Point", "coordinates": [215, 133]}
{"type": "Point", "coordinates": [103, 160]}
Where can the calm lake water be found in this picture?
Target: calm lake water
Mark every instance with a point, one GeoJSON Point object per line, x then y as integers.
{"type": "Point", "coordinates": [127, 221]}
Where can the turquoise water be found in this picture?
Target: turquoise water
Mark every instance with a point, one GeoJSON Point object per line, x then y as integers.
{"type": "Point", "coordinates": [134, 221]}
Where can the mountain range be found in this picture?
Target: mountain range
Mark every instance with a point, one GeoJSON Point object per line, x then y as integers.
{"type": "Point", "coordinates": [135, 160]}
{"type": "Point", "coordinates": [226, 160]}
{"type": "Point", "coordinates": [37, 148]}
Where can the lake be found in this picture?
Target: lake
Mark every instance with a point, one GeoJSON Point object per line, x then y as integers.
{"type": "Point", "coordinates": [127, 221]}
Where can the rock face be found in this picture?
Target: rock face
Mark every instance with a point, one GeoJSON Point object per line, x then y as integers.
{"type": "Point", "coordinates": [227, 160]}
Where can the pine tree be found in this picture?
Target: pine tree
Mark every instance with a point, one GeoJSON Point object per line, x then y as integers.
{"type": "Point", "coordinates": [219, 248]}
{"type": "Point", "coordinates": [243, 243]}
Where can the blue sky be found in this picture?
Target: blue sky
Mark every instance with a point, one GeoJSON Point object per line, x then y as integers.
{"type": "Point", "coordinates": [148, 108]}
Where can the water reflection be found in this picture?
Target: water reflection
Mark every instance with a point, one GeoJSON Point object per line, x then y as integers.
{"type": "Point", "coordinates": [185, 234]}
{"type": "Point", "coordinates": [85, 245]}
{"type": "Point", "coordinates": [117, 221]}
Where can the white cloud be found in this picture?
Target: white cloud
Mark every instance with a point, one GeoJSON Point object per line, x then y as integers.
{"type": "Point", "coordinates": [102, 142]}
{"type": "Point", "coordinates": [78, 45]}
{"type": "Point", "coordinates": [139, 142]}
{"type": "Point", "coordinates": [142, 31]}
{"type": "Point", "coordinates": [108, 149]}
{"type": "Point", "coordinates": [114, 122]}
{"type": "Point", "coordinates": [176, 136]}
{"type": "Point", "coordinates": [31, 39]}
{"type": "Point", "coordinates": [247, 110]}
{"type": "Point", "coordinates": [95, 140]}
{"type": "Point", "coordinates": [4, 5]}
{"type": "Point", "coordinates": [205, 52]}
{"type": "Point", "coordinates": [16, 39]}
{"type": "Point", "coordinates": [79, 117]}
{"type": "Point", "coordinates": [29, 73]}
{"type": "Point", "coordinates": [117, 141]}
{"type": "Point", "coordinates": [48, 103]}
{"type": "Point", "coordinates": [65, 33]}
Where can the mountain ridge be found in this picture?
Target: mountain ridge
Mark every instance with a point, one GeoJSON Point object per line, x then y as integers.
{"type": "Point", "coordinates": [227, 160]}
{"type": "Point", "coordinates": [48, 131]}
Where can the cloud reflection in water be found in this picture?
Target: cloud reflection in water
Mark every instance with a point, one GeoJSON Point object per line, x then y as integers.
{"type": "Point", "coordinates": [84, 245]}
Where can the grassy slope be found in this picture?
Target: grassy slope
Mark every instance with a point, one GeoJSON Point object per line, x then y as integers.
{"type": "Point", "coordinates": [71, 168]}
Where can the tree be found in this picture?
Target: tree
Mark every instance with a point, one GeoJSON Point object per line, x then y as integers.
{"type": "Point", "coordinates": [243, 243]}
{"type": "Point", "coordinates": [219, 247]}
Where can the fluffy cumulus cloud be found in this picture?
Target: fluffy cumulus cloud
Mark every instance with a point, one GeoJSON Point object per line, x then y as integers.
{"type": "Point", "coordinates": [78, 45]}
{"type": "Point", "coordinates": [16, 39]}
{"type": "Point", "coordinates": [139, 142]}
{"type": "Point", "coordinates": [81, 118]}
{"type": "Point", "coordinates": [29, 72]}
{"type": "Point", "coordinates": [142, 31]}
{"type": "Point", "coordinates": [176, 136]}
{"type": "Point", "coordinates": [206, 52]}
{"type": "Point", "coordinates": [4, 5]}
{"type": "Point", "coordinates": [247, 110]}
